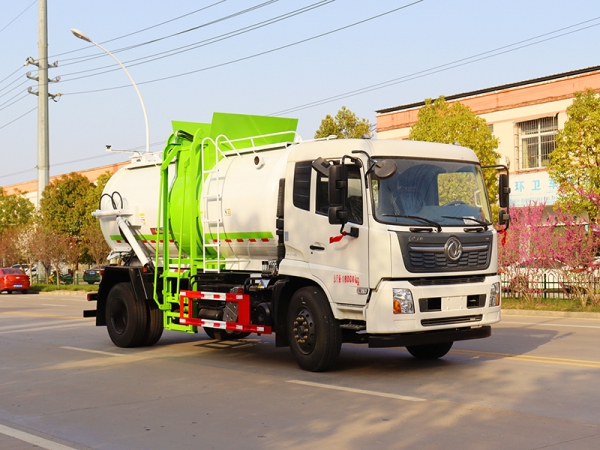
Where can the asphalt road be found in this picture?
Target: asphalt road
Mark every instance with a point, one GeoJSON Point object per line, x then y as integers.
{"type": "Point", "coordinates": [63, 385]}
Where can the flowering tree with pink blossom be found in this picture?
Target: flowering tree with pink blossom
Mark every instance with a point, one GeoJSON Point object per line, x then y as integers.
{"type": "Point", "coordinates": [558, 252]}
{"type": "Point", "coordinates": [525, 252]}
{"type": "Point", "coordinates": [577, 247]}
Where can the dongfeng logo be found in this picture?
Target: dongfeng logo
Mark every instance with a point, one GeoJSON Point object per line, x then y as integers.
{"type": "Point", "coordinates": [453, 249]}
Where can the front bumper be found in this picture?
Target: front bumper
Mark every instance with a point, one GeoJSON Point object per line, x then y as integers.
{"type": "Point", "coordinates": [454, 307]}
{"type": "Point", "coordinates": [429, 337]}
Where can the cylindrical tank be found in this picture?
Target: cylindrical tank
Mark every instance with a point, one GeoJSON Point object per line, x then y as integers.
{"type": "Point", "coordinates": [133, 191]}
{"type": "Point", "coordinates": [235, 205]}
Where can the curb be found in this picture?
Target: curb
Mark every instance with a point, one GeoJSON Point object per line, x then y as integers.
{"type": "Point", "coordinates": [529, 312]}
{"type": "Point", "coordinates": [62, 293]}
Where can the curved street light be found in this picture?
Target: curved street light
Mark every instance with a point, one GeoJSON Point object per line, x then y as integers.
{"type": "Point", "coordinates": [79, 34]}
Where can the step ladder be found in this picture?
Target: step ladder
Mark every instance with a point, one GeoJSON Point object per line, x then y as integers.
{"type": "Point", "coordinates": [211, 178]}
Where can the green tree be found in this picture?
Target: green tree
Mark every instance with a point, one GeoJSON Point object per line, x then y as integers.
{"type": "Point", "coordinates": [64, 210]}
{"type": "Point", "coordinates": [15, 211]}
{"type": "Point", "coordinates": [64, 205]}
{"type": "Point", "coordinates": [345, 125]}
{"type": "Point", "coordinates": [575, 162]}
{"type": "Point", "coordinates": [95, 249]}
{"type": "Point", "coordinates": [439, 121]}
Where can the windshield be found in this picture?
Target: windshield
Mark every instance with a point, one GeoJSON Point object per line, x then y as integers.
{"type": "Point", "coordinates": [426, 192]}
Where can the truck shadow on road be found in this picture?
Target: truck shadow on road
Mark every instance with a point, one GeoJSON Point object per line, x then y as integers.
{"type": "Point", "coordinates": [505, 343]}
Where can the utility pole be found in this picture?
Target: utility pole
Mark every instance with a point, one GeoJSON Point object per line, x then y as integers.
{"type": "Point", "coordinates": [43, 165]}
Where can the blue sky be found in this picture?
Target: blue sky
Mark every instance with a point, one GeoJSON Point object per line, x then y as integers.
{"type": "Point", "coordinates": [423, 50]}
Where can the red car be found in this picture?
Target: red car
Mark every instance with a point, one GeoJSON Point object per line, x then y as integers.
{"type": "Point", "coordinates": [13, 280]}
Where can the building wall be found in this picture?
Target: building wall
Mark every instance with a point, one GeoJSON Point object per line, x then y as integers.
{"type": "Point", "coordinates": [29, 188]}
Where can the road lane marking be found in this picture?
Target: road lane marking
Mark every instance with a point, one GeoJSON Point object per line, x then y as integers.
{"type": "Point", "coordinates": [31, 314]}
{"type": "Point", "coordinates": [357, 391]}
{"type": "Point", "coordinates": [527, 358]}
{"type": "Point", "coordinates": [93, 351]}
{"type": "Point", "coordinates": [546, 324]}
{"type": "Point", "coordinates": [32, 328]}
{"type": "Point", "coordinates": [30, 324]}
{"type": "Point", "coordinates": [32, 439]}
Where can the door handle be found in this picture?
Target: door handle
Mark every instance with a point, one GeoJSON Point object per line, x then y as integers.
{"type": "Point", "coordinates": [317, 247]}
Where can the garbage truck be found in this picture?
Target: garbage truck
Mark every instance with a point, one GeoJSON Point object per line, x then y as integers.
{"type": "Point", "coordinates": [242, 227]}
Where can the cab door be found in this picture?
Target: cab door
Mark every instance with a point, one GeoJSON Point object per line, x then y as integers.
{"type": "Point", "coordinates": [340, 262]}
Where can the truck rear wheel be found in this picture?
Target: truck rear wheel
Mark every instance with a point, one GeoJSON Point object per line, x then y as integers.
{"type": "Point", "coordinates": [126, 316]}
{"type": "Point", "coordinates": [430, 351]}
{"type": "Point", "coordinates": [315, 336]}
{"type": "Point", "coordinates": [155, 326]}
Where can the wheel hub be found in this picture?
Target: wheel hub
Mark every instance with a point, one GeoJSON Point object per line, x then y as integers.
{"type": "Point", "coordinates": [304, 331]}
{"type": "Point", "coordinates": [118, 317]}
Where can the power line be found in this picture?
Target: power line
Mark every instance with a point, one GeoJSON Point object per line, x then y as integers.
{"type": "Point", "coordinates": [18, 100]}
{"type": "Point", "coordinates": [8, 76]}
{"type": "Point", "coordinates": [165, 22]}
{"type": "Point", "coordinates": [18, 173]}
{"type": "Point", "coordinates": [443, 67]}
{"type": "Point", "coordinates": [140, 31]}
{"type": "Point", "coordinates": [256, 54]}
{"type": "Point", "coordinates": [205, 42]}
{"type": "Point", "coordinates": [19, 15]}
{"type": "Point", "coordinates": [16, 87]}
{"type": "Point", "coordinates": [152, 41]}
{"type": "Point", "coordinates": [64, 163]}
{"type": "Point", "coordinates": [7, 124]}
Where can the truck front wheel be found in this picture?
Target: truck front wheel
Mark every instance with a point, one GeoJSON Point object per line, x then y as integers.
{"type": "Point", "coordinates": [429, 351]}
{"type": "Point", "coordinates": [315, 336]}
{"type": "Point", "coordinates": [126, 317]}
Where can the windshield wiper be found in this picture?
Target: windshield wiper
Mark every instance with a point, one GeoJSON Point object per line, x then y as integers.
{"type": "Point", "coordinates": [424, 219]}
{"type": "Point", "coordinates": [477, 221]}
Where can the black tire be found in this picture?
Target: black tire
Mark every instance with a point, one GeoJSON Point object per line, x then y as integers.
{"type": "Point", "coordinates": [225, 335]}
{"type": "Point", "coordinates": [9, 292]}
{"type": "Point", "coordinates": [430, 351]}
{"type": "Point", "coordinates": [155, 324]}
{"type": "Point", "coordinates": [126, 316]}
{"type": "Point", "coordinates": [315, 336]}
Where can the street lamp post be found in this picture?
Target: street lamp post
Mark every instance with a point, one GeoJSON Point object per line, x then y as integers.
{"type": "Point", "coordinates": [81, 35]}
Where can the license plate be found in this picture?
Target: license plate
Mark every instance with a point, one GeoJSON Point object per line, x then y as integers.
{"type": "Point", "coordinates": [18, 285]}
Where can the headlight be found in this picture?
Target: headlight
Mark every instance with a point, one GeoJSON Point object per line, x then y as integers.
{"type": "Point", "coordinates": [403, 301]}
{"type": "Point", "coordinates": [495, 295]}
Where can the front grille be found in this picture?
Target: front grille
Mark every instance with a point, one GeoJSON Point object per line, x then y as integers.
{"type": "Point", "coordinates": [428, 253]}
{"type": "Point", "coordinates": [422, 257]}
{"type": "Point", "coordinates": [451, 320]}
{"type": "Point", "coordinates": [441, 281]}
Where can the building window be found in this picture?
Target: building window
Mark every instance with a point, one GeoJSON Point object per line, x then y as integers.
{"type": "Point", "coordinates": [538, 139]}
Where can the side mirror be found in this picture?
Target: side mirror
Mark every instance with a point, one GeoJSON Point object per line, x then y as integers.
{"type": "Point", "coordinates": [503, 217]}
{"type": "Point", "coordinates": [338, 185]}
{"type": "Point", "coordinates": [503, 190]}
{"type": "Point", "coordinates": [385, 168]}
{"type": "Point", "coordinates": [337, 215]}
{"type": "Point", "coordinates": [338, 192]}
